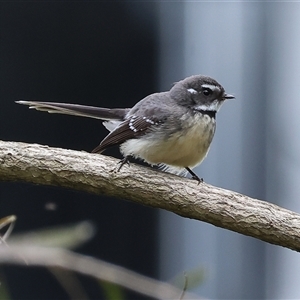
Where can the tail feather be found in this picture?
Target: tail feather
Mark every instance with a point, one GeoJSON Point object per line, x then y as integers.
{"type": "Point", "coordinates": [173, 170]}
{"type": "Point", "coordinates": [78, 110]}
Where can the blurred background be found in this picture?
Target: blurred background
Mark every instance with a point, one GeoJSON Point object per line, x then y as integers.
{"type": "Point", "coordinates": [113, 54]}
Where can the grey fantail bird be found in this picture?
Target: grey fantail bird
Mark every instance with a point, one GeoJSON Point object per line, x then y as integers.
{"type": "Point", "coordinates": [171, 129]}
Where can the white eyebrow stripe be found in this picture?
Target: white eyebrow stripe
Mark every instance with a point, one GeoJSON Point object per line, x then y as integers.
{"type": "Point", "coordinates": [192, 91]}
{"type": "Point", "coordinates": [210, 86]}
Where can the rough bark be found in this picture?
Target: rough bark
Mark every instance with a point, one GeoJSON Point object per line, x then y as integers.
{"type": "Point", "coordinates": [96, 174]}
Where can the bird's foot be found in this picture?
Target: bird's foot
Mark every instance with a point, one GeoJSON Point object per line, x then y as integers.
{"type": "Point", "coordinates": [122, 162]}
{"type": "Point", "coordinates": [194, 175]}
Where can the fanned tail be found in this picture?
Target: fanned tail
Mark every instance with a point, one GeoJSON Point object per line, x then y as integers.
{"type": "Point", "coordinates": [78, 110]}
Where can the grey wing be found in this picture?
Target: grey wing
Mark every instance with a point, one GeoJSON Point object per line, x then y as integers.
{"type": "Point", "coordinates": [132, 128]}
{"type": "Point", "coordinates": [144, 116]}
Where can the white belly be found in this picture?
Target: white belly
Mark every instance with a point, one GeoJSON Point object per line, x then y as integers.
{"type": "Point", "coordinates": [185, 149]}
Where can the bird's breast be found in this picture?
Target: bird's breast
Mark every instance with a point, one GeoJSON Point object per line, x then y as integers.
{"type": "Point", "coordinates": [186, 145]}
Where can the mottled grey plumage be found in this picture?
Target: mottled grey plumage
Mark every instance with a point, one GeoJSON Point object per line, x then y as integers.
{"type": "Point", "coordinates": [173, 129]}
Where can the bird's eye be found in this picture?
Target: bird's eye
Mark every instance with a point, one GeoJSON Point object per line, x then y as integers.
{"type": "Point", "coordinates": [206, 91]}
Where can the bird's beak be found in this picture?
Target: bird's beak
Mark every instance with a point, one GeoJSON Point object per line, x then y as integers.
{"type": "Point", "coordinates": [228, 96]}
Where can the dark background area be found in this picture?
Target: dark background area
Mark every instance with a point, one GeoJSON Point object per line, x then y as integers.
{"type": "Point", "coordinates": [92, 53]}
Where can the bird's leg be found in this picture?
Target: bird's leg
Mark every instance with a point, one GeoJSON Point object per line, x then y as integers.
{"type": "Point", "coordinates": [194, 176]}
{"type": "Point", "coordinates": [123, 161]}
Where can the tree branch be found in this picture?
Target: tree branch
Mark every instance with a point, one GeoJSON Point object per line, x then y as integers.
{"type": "Point", "coordinates": [93, 173]}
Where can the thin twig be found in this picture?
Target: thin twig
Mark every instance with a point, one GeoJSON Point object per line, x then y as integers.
{"type": "Point", "coordinates": [86, 265]}
{"type": "Point", "coordinates": [185, 286]}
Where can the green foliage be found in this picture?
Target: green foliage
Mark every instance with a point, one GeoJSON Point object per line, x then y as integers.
{"type": "Point", "coordinates": [112, 291]}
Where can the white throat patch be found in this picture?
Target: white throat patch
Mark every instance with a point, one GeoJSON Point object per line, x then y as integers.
{"type": "Point", "coordinates": [213, 106]}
